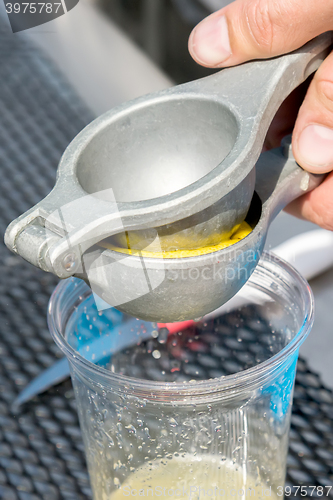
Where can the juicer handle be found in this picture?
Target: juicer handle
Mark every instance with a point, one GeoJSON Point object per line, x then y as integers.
{"type": "Point", "coordinates": [280, 180]}
{"type": "Point", "coordinates": [251, 94]}
{"type": "Point", "coordinates": [256, 89]}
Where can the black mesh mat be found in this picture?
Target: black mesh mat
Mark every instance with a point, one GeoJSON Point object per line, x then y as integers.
{"type": "Point", "coordinates": [41, 451]}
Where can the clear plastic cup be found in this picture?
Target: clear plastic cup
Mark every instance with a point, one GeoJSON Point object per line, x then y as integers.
{"type": "Point", "coordinates": [201, 413]}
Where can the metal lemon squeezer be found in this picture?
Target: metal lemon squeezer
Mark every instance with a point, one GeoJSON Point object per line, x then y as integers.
{"type": "Point", "coordinates": [174, 171]}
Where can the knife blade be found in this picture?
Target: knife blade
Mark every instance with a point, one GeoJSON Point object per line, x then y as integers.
{"type": "Point", "coordinates": [120, 337]}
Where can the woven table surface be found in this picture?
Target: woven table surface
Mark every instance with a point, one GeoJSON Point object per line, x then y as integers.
{"type": "Point", "coordinates": [41, 450]}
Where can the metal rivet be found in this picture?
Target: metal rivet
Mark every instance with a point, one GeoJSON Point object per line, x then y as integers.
{"type": "Point", "coordinates": [69, 262]}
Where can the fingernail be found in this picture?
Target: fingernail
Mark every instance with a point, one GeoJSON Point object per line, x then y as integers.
{"type": "Point", "coordinates": [209, 42]}
{"type": "Point", "coordinates": [315, 146]}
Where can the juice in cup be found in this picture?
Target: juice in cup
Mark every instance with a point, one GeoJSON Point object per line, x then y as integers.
{"type": "Point", "coordinates": [194, 477]}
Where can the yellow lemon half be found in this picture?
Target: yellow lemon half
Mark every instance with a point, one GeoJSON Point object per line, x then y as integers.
{"type": "Point", "coordinates": [238, 233]}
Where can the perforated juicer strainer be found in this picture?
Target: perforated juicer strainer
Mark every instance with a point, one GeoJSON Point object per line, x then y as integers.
{"type": "Point", "coordinates": [172, 169]}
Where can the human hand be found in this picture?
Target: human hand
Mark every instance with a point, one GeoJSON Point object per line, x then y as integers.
{"type": "Point", "coordinates": [259, 29]}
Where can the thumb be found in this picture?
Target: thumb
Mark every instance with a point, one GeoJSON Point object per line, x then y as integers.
{"type": "Point", "coordinates": [258, 29]}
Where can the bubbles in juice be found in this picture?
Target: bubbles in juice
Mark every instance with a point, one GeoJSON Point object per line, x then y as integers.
{"type": "Point", "coordinates": [194, 478]}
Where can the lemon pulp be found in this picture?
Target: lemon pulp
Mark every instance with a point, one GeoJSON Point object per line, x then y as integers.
{"type": "Point", "coordinates": [238, 233]}
{"type": "Point", "coordinates": [194, 478]}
